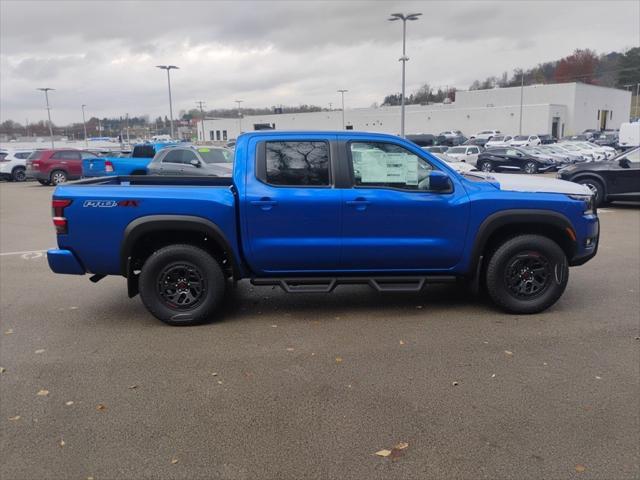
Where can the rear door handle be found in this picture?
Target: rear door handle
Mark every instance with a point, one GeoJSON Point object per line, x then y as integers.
{"type": "Point", "coordinates": [360, 204]}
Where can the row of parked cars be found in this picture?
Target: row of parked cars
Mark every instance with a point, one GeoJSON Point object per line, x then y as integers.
{"type": "Point", "coordinates": [56, 166]}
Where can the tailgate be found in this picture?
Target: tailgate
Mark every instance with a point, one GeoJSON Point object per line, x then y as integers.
{"type": "Point", "coordinates": [93, 167]}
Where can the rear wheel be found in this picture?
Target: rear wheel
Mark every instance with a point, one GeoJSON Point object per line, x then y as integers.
{"type": "Point", "coordinates": [57, 177]}
{"type": "Point", "coordinates": [530, 168]}
{"type": "Point", "coordinates": [527, 274]}
{"type": "Point", "coordinates": [596, 187]}
{"type": "Point", "coordinates": [182, 285]}
{"type": "Point", "coordinates": [486, 166]}
{"type": "Point", "coordinates": [19, 174]}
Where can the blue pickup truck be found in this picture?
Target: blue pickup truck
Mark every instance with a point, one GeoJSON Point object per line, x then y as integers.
{"type": "Point", "coordinates": [308, 211]}
{"type": "Point", "coordinates": [136, 164]}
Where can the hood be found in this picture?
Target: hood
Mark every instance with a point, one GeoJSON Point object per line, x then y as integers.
{"type": "Point", "coordinates": [530, 183]}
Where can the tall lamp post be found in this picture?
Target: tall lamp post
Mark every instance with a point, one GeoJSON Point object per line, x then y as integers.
{"type": "Point", "coordinates": [84, 125]}
{"type": "Point", "coordinates": [404, 59]}
{"type": "Point", "coordinates": [239, 115]}
{"type": "Point", "coordinates": [168, 68]}
{"type": "Point", "coordinates": [46, 97]}
{"type": "Point", "coordinates": [200, 104]}
{"type": "Point", "coordinates": [342, 92]}
{"type": "Point", "coordinates": [521, 99]}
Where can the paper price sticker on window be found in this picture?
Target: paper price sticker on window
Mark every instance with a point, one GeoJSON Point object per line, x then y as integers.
{"type": "Point", "coordinates": [376, 166]}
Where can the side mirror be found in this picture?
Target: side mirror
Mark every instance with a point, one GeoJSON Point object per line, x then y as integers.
{"type": "Point", "coordinates": [624, 162]}
{"type": "Point", "coordinates": [439, 181]}
{"type": "Point", "coordinates": [195, 163]}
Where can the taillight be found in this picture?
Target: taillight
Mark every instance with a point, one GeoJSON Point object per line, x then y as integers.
{"type": "Point", "coordinates": [108, 166]}
{"type": "Point", "coordinates": [59, 220]}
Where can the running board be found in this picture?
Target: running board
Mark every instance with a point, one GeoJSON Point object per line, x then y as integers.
{"type": "Point", "coordinates": [328, 284]}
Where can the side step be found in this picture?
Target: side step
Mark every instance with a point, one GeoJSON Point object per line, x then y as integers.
{"type": "Point", "coordinates": [328, 284]}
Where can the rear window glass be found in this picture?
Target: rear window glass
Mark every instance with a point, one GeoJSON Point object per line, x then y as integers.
{"type": "Point", "coordinates": [297, 163]}
{"type": "Point", "coordinates": [35, 155]}
{"type": "Point", "coordinates": [143, 151]}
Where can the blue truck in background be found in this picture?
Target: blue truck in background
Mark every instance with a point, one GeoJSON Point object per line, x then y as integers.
{"type": "Point", "coordinates": [308, 211]}
{"type": "Point", "coordinates": [136, 164]}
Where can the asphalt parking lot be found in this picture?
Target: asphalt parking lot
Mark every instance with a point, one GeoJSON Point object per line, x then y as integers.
{"type": "Point", "coordinates": [312, 386]}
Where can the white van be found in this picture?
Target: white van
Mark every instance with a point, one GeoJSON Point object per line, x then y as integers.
{"type": "Point", "coordinates": [629, 135]}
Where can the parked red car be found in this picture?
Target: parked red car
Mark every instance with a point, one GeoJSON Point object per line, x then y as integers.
{"type": "Point", "coordinates": [55, 166]}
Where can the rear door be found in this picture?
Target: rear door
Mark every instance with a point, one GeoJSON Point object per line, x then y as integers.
{"type": "Point", "coordinates": [392, 222]}
{"type": "Point", "coordinates": [626, 178]}
{"type": "Point", "coordinates": [291, 210]}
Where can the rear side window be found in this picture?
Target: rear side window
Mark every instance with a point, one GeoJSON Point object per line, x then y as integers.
{"type": "Point", "coordinates": [143, 151]}
{"type": "Point", "coordinates": [2, 155]}
{"type": "Point", "coordinates": [66, 155]}
{"type": "Point", "coordinates": [297, 163]}
{"type": "Point", "coordinates": [173, 156]}
{"type": "Point", "coordinates": [35, 155]}
{"type": "Point", "coordinates": [22, 155]}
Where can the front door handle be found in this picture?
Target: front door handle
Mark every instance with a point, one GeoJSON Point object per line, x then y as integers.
{"type": "Point", "coordinates": [264, 203]}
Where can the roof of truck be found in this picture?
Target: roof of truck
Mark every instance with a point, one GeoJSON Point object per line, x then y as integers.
{"type": "Point", "coordinates": [344, 133]}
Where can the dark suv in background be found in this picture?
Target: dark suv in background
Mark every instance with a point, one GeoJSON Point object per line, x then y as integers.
{"type": "Point", "coordinates": [609, 180]}
{"type": "Point", "coordinates": [55, 166]}
{"type": "Point", "coordinates": [512, 158]}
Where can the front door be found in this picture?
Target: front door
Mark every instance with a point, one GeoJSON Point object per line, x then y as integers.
{"type": "Point", "coordinates": [625, 179]}
{"type": "Point", "coordinates": [291, 209]}
{"type": "Point", "coordinates": [392, 222]}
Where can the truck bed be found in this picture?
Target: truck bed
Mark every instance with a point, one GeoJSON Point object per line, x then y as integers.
{"type": "Point", "coordinates": [156, 180]}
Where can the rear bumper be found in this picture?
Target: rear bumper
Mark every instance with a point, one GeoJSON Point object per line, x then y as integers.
{"type": "Point", "coordinates": [64, 261]}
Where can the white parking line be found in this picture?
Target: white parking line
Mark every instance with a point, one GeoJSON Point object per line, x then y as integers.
{"type": "Point", "coordinates": [23, 253]}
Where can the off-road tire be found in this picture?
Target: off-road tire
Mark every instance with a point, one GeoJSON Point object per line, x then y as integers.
{"type": "Point", "coordinates": [526, 248]}
{"type": "Point", "coordinates": [202, 266]}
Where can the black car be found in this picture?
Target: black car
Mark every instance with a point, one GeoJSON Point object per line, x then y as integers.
{"type": "Point", "coordinates": [512, 158]}
{"type": "Point", "coordinates": [450, 141]}
{"type": "Point", "coordinates": [422, 139]}
{"type": "Point", "coordinates": [480, 142]}
{"type": "Point", "coordinates": [608, 139]}
{"type": "Point", "coordinates": [547, 139]}
{"type": "Point", "coordinates": [609, 180]}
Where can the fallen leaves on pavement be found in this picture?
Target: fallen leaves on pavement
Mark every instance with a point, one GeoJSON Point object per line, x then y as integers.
{"type": "Point", "coordinates": [508, 352]}
{"type": "Point", "coordinates": [338, 359]}
{"type": "Point", "coordinates": [101, 407]}
{"type": "Point", "coordinates": [397, 451]}
{"type": "Point", "coordinates": [43, 393]}
{"type": "Point", "coordinates": [39, 351]}
{"type": "Point", "coordinates": [15, 419]}
{"type": "Point", "coordinates": [580, 468]}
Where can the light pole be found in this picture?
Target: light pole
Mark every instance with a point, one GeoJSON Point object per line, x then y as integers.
{"type": "Point", "coordinates": [168, 68]}
{"type": "Point", "coordinates": [521, 98]}
{"type": "Point", "coordinates": [200, 104]}
{"type": "Point", "coordinates": [239, 115]}
{"type": "Point", "coordinates": [342, 92]}
{"type": "Point", "coordinates": [46, 97]}
{"type": "Point", "coordinates": [84, 125]}
{"type": "Point", "coordinates": [637, 96]}
{"type": "Point", "coordinates": [404, 59]}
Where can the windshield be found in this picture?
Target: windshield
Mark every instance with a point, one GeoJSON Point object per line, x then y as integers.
{"type": "Point", "coordinates": [215, 155]}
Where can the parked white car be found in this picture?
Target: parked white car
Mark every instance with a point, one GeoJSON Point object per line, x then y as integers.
{"type": "Point", "coordinates": [451, 133]}
{"type": "Point", "coordinates": [498, 141]}
{"type": "Point", "coordinates": [465, 153]}
{"type": "Point", "coordinates": [486, 134]}
{"type": "Point", "coordinates": [587, 155]}
{"type": "Point", "coordinates": [525, 141]}
{"type": "Point", "coordinates": [608, 152]}
{"type": "Point", "coordinates": [456, 164]}
{"type": "Point", "coordinates": [13, 164]}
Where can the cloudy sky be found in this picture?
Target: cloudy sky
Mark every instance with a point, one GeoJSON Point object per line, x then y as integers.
{"type": "Point", "coordinates": [268, 53]}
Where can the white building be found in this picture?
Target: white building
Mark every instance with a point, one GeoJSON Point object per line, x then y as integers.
{"type": "Point", "coordinates": [559, 109]}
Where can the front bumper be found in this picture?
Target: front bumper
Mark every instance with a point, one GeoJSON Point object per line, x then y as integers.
{"type": "Point", "coordinates": [64, 261]}
{"type": "Point", "coordinates": [589, 240]}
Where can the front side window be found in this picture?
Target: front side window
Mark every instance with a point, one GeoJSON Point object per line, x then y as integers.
{"type": "Point", "coordinates": [188, 155]}
{"type": "Point", "coordinates": [297, 163]}
{"type": "Point", "coordinates": [22, 155]}
{"type": "Point", "coordinates": [473, 150]}
{"type": "Point", "coordinates": [215, 155]}
{"type": "Point", "coordinates": [377, 164]}
{"type": "Point", "coordinates": [513, 153]}
{"type": "Point", "coordinates": [173, 156]}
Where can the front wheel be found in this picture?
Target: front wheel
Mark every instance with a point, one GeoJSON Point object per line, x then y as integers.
{"type": "Point", "coordinates": [596, 187]}
{"type": "Point", "coordinates": [527, 274]}
{"type": "Point", "coordinates": [530, 168]}
{"type": "Point", "coordinates": [182, 285]}
{"type": "Point", "coordinates": [486, 166]}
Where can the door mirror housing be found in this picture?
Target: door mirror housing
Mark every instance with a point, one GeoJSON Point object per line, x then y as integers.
{"type": "Point", "coordinates": [439, 181]}
{"type": "Point", "coordinates": [624, 162]}
{"type": "Point", "coordinates": [195, 163]}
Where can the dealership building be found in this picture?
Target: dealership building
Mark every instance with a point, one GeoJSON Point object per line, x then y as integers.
{"type": "Point", "coordinates": [558, 109]}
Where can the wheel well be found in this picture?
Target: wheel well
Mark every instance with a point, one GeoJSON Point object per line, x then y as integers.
{"type": "Point", "coordinates": [591, 177]}
{"type": "Point", "coordinates": [18, 167]}
{"type": "Point", "coordinates": [554, 232]}
{"type": "Point", "coordinates": [139, 172]}
{"type": "Point", "coordinates": [154, 240]}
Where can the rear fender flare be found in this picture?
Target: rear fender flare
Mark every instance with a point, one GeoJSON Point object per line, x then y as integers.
{"type": "Point", "coordinates": [144, 225]}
